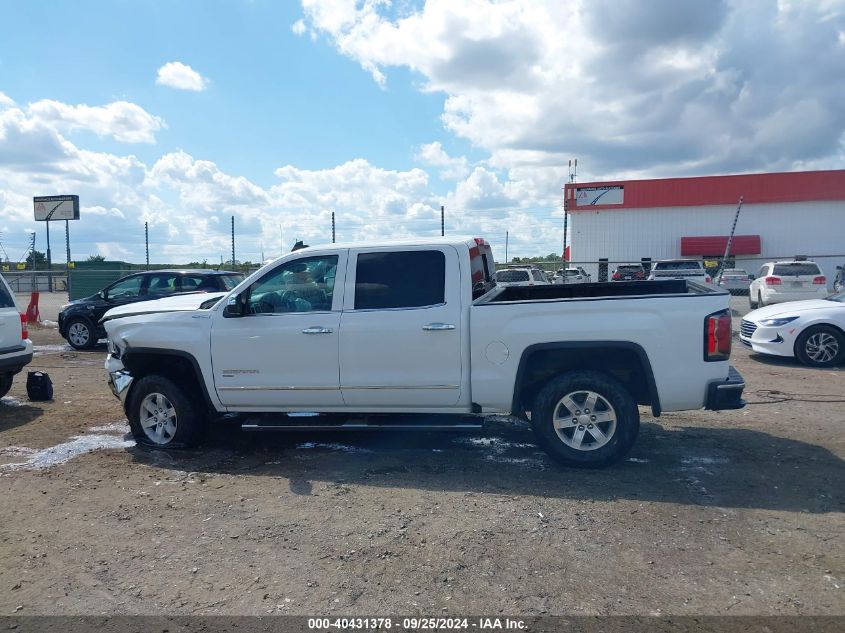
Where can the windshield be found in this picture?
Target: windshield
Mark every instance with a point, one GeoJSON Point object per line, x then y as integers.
{"type": "Point", "coordinates": [691, 265]}
{"type": "Point", "coordinates": [512, 275]}
{"type": "Point", "coordinates": [796, 270]}
{"type": "Point", "coordinates": [230, 281]}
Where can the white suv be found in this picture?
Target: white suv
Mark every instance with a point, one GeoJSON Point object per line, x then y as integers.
{"type": "Point", "coordinates": [15, 346]}
{"type": "Point", "coordinates": [690, 269]}
{"type": "Point", "coordinates": [521, 277]}
{"type": "Point", "coordinates": [779, 282]}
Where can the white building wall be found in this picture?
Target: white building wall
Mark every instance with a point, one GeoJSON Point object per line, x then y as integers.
{"type": "Point", "coordinates": [815, 229]}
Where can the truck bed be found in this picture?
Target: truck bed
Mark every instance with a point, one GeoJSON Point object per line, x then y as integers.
{"type": "Point", "coordinates": [592, 290]}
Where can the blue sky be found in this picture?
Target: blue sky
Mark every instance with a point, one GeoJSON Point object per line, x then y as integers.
{"type": "Point", "coordinates": [382, 112]}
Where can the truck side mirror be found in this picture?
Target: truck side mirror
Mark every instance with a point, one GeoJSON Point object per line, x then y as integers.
{"type": "Point", "coordinates": [235, 306]}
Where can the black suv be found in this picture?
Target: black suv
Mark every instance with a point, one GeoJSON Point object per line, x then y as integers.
{"type": "Point", "coordinates": [79, 321]}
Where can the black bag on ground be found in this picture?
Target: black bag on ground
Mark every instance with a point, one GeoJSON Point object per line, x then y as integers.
{"type": "Point", "coordinates": [39, 387]}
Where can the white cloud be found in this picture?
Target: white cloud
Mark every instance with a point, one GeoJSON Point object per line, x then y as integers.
{"type": "Point", "coordinates": [451, 168]}
{"type": "Point", "coordinates": [651, 87]}
{"type": "Point", "coordinates": [5, 100]}
{"type": "Point", "coordinates": [181, 76]}
{"type": "Point", "coordinates": [123, 121]}
{"type": "Point", "coordinates": [298, 27]}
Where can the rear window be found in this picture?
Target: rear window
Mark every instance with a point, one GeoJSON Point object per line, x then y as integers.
{"type": "Point", "coordinates": [691, 265]}
{"type": "Point", "coordinates": [735, 271]}
{"type": "Point", "coordinates": [796, 270]}
{"type": "Point", "coordinates": [6, 300]}
{"type": "Point", "coordinates": [630, 269]}
{"type": "Point", "coordinates": [509, 276]}
{"type": "Point", "coordinates": [406, 279]}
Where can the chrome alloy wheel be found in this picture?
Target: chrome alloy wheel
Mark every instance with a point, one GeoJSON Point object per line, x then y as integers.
{"type": "Point", "coordinates": [584, 420]}
{"type": "Point", "coordinates": [158, 418]}
{"type": "Point", "coordinates": [822, 347]}
{"type": "Point", "coordinates": [78, 334]}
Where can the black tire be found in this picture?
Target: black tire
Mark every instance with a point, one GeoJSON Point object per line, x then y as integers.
{"type": "Point", "coordinates": [187, 418]}
{"type": "Point", "coordinates": [806, 346]}
{"type": "Point", "coordinates": [81, 334]}
{"type": "Point", "coordinates": [5, 384]}
{"type": "Point", "coordinates": [614, 394]}
{"type": "Point", "coordinates": [751, 303]}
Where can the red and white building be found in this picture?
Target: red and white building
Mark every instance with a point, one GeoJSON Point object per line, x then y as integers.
{"type": "Point", "coordinates": [783, 215]}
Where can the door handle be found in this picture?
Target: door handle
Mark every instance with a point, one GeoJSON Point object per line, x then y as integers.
{"type": "Point", "coordinates": [317, 330]}
{"type": "Point", "coordinates": [439, 326]}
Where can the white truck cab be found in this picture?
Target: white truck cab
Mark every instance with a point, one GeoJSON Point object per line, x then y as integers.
{"type": "Point", "coordinates": [15, 346]}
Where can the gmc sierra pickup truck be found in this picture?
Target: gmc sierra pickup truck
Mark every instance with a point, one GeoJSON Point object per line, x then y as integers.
{"type": "Point", "coordinates": [417, 334]}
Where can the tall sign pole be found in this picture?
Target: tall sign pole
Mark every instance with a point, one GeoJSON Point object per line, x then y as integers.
{"type": "Point", "coordinates": [332, 227]}
{"type": "Point", "coordinates": [442, 221]}
{"type": "Point", "coordinates": [67, 241]}
{"type": "Point", "coordinates": [506, 247]}
{"type": "Point", "coordinates": [147, 242]}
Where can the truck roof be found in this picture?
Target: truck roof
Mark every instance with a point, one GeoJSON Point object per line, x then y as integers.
{"type": "Point", "coordinates": [417, 241]}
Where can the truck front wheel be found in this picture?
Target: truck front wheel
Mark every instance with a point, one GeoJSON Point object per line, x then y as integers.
{"type": "Point", "coordinates": [585, 419]}
{"type": "Point", "coordinates": [161, 414]}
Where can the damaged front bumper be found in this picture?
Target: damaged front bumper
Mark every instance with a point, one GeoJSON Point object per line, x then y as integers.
{"type": "Point", "coordinates": [119, 382]}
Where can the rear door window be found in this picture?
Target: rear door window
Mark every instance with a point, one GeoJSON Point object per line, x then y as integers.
{"type": "Point", "coordinates": [6, 299]}
{"type": "Point", "coordinates": [162, 284]}
{"type": "Point", "coordinates": [405, 279]}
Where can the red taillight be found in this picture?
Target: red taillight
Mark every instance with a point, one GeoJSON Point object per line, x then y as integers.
{"type": "Point", "coordinates": [708, 280]}
{"type": "Point", "coordinates": [772, 281]}
{"type": "Point", "coordinates": [820, 280]}
{"type": "Point", "coordinates": [718, 333]}
{"type": "Point", "coordinates": [24, 330]}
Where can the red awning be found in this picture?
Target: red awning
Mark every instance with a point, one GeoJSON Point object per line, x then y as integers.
{"type": "Point", "coordinates": [716, 244]}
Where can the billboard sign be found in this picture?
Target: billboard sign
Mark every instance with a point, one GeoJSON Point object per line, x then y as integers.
{"type": "Point", "coordinates": [56, 207]}
{"type": "Point", "coordinates": [592, 196]}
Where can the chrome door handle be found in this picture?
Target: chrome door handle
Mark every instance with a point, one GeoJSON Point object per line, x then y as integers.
{"type": "Point", "coordinates": [317, 330]}
{"type": "Point", "coordinates": [439, 326]}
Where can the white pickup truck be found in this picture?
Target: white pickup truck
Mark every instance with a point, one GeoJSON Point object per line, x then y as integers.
{"type": "Point", "coordinates": [379, 331]}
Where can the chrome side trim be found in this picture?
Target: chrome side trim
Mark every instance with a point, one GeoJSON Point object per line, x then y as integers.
{"type": "Point", "coordinates": [278, 388]}
{"type": "Point", "coordinates": [401, 387]}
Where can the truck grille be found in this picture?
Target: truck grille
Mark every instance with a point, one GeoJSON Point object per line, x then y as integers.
{"type": "Point", "coordinates": [747, 328]}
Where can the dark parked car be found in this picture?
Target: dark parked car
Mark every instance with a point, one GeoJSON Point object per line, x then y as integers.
{"type": "Point", "coordinates": [79, 321]}
{"type": "Point", "coordinates": [628, 272]}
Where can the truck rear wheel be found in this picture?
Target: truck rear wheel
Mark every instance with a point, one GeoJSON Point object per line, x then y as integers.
{"type": "Point", "coordinates": [585, 419]}
{"type": "Point", "coordinates": [162, 414]}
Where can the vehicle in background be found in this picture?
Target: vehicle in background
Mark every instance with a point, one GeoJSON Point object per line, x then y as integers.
{"type": "Point", "coordinates": [575, 275]}
{"type": "Point", "coordinates": [839, 280]}
{"type": "Point", "coordinates": [15, 346]}
{"type": "Point", "coordinates": [734, 280]}
{"type": "Point", "coordinates": [811, 331]}
{"type": "Point", "coordinates": [628, 272]}
{"type": "Point", "coordinates": [778, 282]}
{"type": "Point", "coordinates": [79, 321]}
{"type": "Point", "coordinates": [521, 276]}
{"type": "Point", "coordinates": [371, 329]}
{"type": "Point", "coordinates": [689, 269]}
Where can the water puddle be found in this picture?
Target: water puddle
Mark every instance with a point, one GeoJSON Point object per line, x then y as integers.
{"type": "Point", "coordinates": [39, 350]}
{"type": "Point", "coordinates": [343, 448]}
{"type": "Point", "coordinates": [106, 437]}
{"type": "Point", "coordinates": [9, 401]}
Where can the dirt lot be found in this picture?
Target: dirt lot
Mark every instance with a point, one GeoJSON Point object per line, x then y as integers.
{"type": "Point", "coordinates": [713, 513]}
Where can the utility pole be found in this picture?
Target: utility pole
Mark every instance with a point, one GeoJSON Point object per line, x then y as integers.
{"type": "Point", "coordinates": [147, 242]}
{"type": "Point", "coordinates": [442, 221]}
{"type": "Point", "coordinates": [233, 241]}
{"type": "Point", "coordinates": [332, 227]}
{"type": "Point", "coordinates": [730, 239]}
{"type": "Point", "coordinates": [506, 247]}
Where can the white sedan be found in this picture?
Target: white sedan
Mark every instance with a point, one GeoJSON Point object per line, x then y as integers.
{"type": "Point", "coordinates": [812, 331]}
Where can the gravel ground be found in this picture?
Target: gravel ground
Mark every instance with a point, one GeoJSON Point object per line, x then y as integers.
{"type": "Point", "coordinates": [736, 512]}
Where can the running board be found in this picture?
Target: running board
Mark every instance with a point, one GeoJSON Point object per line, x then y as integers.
{"type": "Point", "coordinates": [385, 422]}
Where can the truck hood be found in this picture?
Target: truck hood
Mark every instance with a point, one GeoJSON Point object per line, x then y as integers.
{"type": "Point", "coordinates": [179, 303]}
{"type": "Point", "coordinates": [790, 308]}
